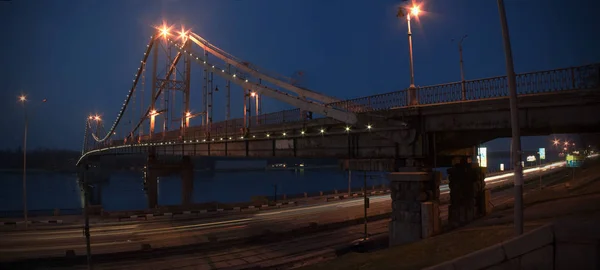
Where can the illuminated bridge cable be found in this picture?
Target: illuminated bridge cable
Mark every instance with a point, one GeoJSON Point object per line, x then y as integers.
{"type": "Point", "coordinates": [296, 101]}
{"type": "Point", "coordinates": [132, 89]}
{"type": "Point", "coordinates": [159, 90]}
{"type": "Point", "coordinates": [246, 67]}
{"type": "Point", "coordinates": [278, 80]}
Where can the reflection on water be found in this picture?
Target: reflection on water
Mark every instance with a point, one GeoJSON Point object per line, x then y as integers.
{"type": "Point", "coordinates": [125, 189]}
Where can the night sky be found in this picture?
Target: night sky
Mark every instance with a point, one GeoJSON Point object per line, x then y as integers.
{"type": "Point", "coordinates": [81, 55]}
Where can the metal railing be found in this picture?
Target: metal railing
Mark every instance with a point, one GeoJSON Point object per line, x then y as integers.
{"type": "Point", "coordinates": [573, 78]}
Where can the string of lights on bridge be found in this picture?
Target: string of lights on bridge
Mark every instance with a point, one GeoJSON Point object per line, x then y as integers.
{"type": "Point", "coordinates": [184, 36]}
{"type": "Point", "coordinates": [188, 53]}
{"type": "Point", "coordinates": [267, 136]}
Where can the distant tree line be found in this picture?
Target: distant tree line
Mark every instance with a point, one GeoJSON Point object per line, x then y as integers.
{"type": "Point", "coordinates": [45, 159]}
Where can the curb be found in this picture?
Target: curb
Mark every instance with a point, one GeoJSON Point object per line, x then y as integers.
{"type": "Point", "coordinates": [14, 223]}
{"type": "Point", "coordinates": [206, 211]}
{"type": "Point", "coordinates": [355, 195]}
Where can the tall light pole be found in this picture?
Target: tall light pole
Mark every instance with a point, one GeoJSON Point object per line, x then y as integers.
{"type": "Point", "coordinates": [23, 100]}
{"type": "Point", "coordinates": [514, 121]}
{"type": "Point", "coordinates": [412, 90]}
{"type": "Point", "coordinates": [462, 71]}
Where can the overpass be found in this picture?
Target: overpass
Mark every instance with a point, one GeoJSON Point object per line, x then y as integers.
{"type": "Point", "coordinates": [381, 132]}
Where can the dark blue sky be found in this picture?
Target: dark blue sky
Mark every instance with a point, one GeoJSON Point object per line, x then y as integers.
{"type": "Point", "coordinates": [81, 55]}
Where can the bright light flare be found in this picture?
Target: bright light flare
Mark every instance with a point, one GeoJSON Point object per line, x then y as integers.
{"type": "Point", "coordinates": [164, 30]}
{"type": "Point", "coordinates": [22, 98]}
{"type": "Point", "coordinates": [153, 112]}
{"type": "Point", "coordinates": [556, 142]}
{"type": "Point", "coordinates": [188, 114]}
{"type": "Point", "coordinates": [97, 118]}
{"type": "Point", "coordinates": [253, 94]}
{"type": "Point", "coordinates": [183, 34]}
{"type": "Point", "coordinates": [415, 10]}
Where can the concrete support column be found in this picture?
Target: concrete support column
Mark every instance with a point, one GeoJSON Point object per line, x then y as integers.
{"type": "Point", "coordinates": [415, 205]}
{"type": "Point", "coordinates": [468, 199]}
{"type": "Point", "coordinates": [151, 184]}
{"type": "Point", "coordinates": [187, 182]}
{"type": "Point", "coordinates": [95, 194]}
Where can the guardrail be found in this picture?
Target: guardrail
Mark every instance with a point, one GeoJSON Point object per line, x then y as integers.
{"type": "Point", "coordinates": [573, 78]}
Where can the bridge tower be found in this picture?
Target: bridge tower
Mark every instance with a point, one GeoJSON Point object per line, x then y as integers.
{"type": "Point", "coordinates": [154, 90]}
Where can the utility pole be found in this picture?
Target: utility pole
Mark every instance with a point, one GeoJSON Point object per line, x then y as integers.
{"type": "Point", "coordinates": [23, 100]}
{"type": "Point", "coordinates": [349, 182]}
{"type": "Point", "coordinates": [25, 167]}
{"type": "Point", "coordinates": [540, 169]}
{"type": "Point", "coordinates": [86, 227]}
{"type": "Point", "coordinates": [228, 86]}
{"type": "Point", "coordinates": [366, 203]}
{"type": "Point", "coordinates": [462, 71]}
{"type": "Point", "coordinates": [514, 117]}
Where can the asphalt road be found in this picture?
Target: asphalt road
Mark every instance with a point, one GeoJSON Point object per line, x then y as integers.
{"type": "Point", "coordinates": [117, 237]}
{"type": "Point", "coordinates": [284, 254]}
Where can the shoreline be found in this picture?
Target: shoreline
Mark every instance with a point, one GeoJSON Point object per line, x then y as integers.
{"type": "Point", "coordinates": [20, 171]}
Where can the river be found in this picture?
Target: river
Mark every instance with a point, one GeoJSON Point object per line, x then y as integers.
{"type": "Point", "coordinates": [124, 190]}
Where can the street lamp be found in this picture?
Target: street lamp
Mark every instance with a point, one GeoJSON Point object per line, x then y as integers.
{"type": "Point", "coordinates": [514, 121]}
{"type": "Point", "coordinates": [462, 71]}
{"type": "Point", "coordinates": [23, 100]}
{"type": "Point", "coordinates": [406, 12]}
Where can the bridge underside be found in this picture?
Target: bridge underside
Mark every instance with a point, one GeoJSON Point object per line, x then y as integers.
{"type": "Point", "coordinates": [424, 132]}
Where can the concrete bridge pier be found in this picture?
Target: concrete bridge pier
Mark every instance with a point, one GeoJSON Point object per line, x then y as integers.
{"type": "Point", "coordinates": [91, 178]}
{"type": "Point", "coordinates": [156, 168]}
{"type": "Point", "coordinates": [415, 204]}
{"type": "Point", "coordinates": [151, 187]}
{"type": "Point", "coordinates": [187, 181]}
{"type": "Point", "coordinates": [468, 197]}
{"type": "Point", "coordinates": [95, 194]}
{"type": "Point", "coordinates": [415, 192]}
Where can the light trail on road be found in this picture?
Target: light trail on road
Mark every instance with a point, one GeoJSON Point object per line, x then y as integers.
{"type": "Point", "coordinates": [170, 232]}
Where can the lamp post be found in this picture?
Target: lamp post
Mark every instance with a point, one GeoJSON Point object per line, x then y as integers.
{"type": "Point", "coordinates": [403, 12]}
{"type": "Point", "coordinates": [23, 99]}
{"type": "Point", "coordinates": [514, 121]}
{"type": "Point", "coordinates": [462, 71]}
